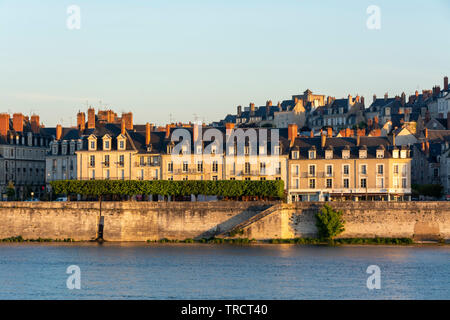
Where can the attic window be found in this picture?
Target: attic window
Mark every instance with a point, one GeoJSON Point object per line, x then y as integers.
{"type": "Point", "coordinates": [311, 154]}
{"type": "Point", "coordinates": [380, 154]}
{"type": "Point", "coordinates": [395, 153]}
{"type": "Point", "coordinates": [294, 154]}
{"type": "Point", "coordinates": [403, 154]}
{"type": "Point", "coordinates": [345, 154]}
{"type": "Point", "coordinates": [363, 154]}
{"type": "Point", "coordinates": [328, 154]}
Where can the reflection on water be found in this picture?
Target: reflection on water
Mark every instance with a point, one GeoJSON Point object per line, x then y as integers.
{"type": "Point", "coordinates": [184, 271]}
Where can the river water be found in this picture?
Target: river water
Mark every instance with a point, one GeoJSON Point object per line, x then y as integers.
{"type": "Point", "coordinates": [203, 271]}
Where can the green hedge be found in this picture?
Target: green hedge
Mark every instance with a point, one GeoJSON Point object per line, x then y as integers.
{"type": "Point", "coordinates": [225, 188]}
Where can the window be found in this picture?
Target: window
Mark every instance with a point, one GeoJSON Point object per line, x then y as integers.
{"type": "Point", "coordinates": [276, 150]}
{"type": "Point", "coordinates": [247, 167]}
{"type": "Point", "coordinates": [296, 183]}
{"type": "Point", "coordinates": [214, 178]}
{"type": "Point", "coordinates": [295, 170]}
{"type": "Point", "coordinates": [294, 154]}
{"type": "Point", "coordinates": [142, 161]}
{"type": "Point", "coordinates": [311, 154]}
{"type": "Point", "coordinates": [121, 160]}
{"type": "Point", "coordinates": [395, 153]}
{"type": "Point", "coordinates": [395, 168]}
{"type": "Point", "coordinates": [107, 174]}
{"type": "Point", "coordinates": [312, 170]}
{"type": "Point", "coordinates": [329, 183]}
{"type": "Point", "coordinates": [363, 183]}
{"type": "Point", "coordinates": [215, 166]}
{"type": "Point", "coordinates": [93, 174]}
{"type": "Point", "coordinates": [363, 169]}
{"type": "Point", "coordinates": [329, 154]}
{"type": "Point", "coordinates": [185, 166]}
{"type": "Point", "coordinates": [380, 154]}
{"type": "Point", "coordinates": [121, 145]}
{"type": "Point", "coordinates": [380, 182]}
{"type": "Point", "coordinates": [92, 145]}
{"type": "Point", "coordinates": [312, 183]}
{"type": "Point", "coordinates": [200, 166]}
{"type": "Point", "coordinates": [170, 166]}
{"type": "Point", "coordinates": [122, 174]}
{"type": "Point", "coordinates": [346, 169]}
{"type": "Point", "coordinates": [92, 161]}
{"type": "Point", "coordinates": [106, 145]}
{"type": "Point", "coordinates": [346, 183]}
{"type": "Point", "coordinates": [262, 167]}
{"type": "Point", "coordinates": [362, 154]}
{"type": "Point", "coordinates": [345, 154]}
{"type": "Point", "coordinates": [404, 183]}
{"type": "Point", "coordinates": [380, 169]}
{"type": "Point", "coordinates": [329, 170]}
{"type": "Point", "coordinates": [106, 163]}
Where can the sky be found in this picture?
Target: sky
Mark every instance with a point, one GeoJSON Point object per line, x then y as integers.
{"type": "Point", "coordinates": [197, 60]}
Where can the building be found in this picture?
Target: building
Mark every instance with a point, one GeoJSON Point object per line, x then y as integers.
{"type": "Point", "coordinates": [357, 168]}
{"type": "Point", "coordinates": [23, 146]}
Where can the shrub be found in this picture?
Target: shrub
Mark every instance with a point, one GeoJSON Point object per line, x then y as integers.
{"type": "Point", "coordinates": [329, 223]}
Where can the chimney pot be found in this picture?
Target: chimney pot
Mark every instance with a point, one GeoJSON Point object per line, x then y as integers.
{"type": "Point", "coordinates": [4, 124]}
{"type": "Point", "coordinates": [147, 134]}
{"type": "Point", "coordinates": [292, 132]}
{"type": "Point", "coordinates": [122, 127]}
{"type": "Point", "coordinates": [323, 140]}
{"type": "Point", "coordinates": [18, 122]}
{"type": "Point", "coordinates": [446, 83]}
{"type": "Point", "coordinates": [91, 118]}
{"type": "Point", "coordinates": [167, 131]}
{"type": "Point", "coordinates": [81, 121]}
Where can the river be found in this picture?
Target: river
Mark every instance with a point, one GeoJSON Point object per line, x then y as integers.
{"type": "Point", "coordinates": [221, 271]}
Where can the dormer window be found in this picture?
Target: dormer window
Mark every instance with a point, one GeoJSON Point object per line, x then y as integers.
{"type": "Point", "coordinates": [64, 148]}
{"type": "Point", "coordinates": [169, 149]}
{"type": "Point", "coordinates": [80, 144]}
{"type": "Point", "coordinates": [276, 150]}
{"type": "Point", "coordinates": [403, 154]}
{"type": "Point", "coordinates": [121, 143]}
{"type": "Point", "coordinates": [72, 147]}
{"type": "Point", "coordinates": [380, 154]}
{"type": "Point", "coordinates": [312, 154]}
{"type": "Point", "coordinates": [106, 143]}
{"type": "Point", "coordinates": [363, 153]}
{"type": "Point", "coordinates": [294, 154]}
{"type": "Point", "coordinates": [92, 143]}
{"type": "Point", "coordinates": [395, 153]}
{"type": "Point", "coordinates": [328, 154]}
{"type": "Point", "coordinates": [55, 148]}
{"type": "Point", "coordinates": [345, 154]}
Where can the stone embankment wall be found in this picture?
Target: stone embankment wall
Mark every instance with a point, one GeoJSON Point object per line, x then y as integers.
{"type": "Point", "coordinates": [141, 221]}
{"type": "Point", "coordinates": [418, 220]}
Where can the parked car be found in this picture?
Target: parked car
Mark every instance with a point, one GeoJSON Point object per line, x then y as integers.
{"type": "Point", "coordinates": [61, 199]}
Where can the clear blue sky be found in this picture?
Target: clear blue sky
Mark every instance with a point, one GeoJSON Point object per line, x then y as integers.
{"type": "Point", "coordinates": [206, 57]}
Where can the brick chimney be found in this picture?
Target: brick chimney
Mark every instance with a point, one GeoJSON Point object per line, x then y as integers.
{"type": "Point", "coordinates": [35, 123]}
{"type": "Point", "coordinates": [403, 98]}
{"type": "Point", "coordinates": [147, 134]}
{"type": "Point", "coordinates": [123, 127]}
{"type": "Point", "coordinates": [58, 132]}
{"type": "Point", "coordinates": [374, 97]}
{"type": "Point", "coordinates": [128, 117]}
{"type": "Point", "coordinates": [252, 108]}
{"type": "Point", "coordinates": [279, 106]}
{"type": "Point", "coordinates": [239, 111]}
{"type": "Point", "coordinates": [167, 131]}
{"type": "Point", "coordinates": [350, 100]}
{"type": "Point", "coordinates": [18, 122]}
{"type": "Point", "coordinates": [357, 99]}
{"type": "Point", "coordinates": [91, 118]}
{"type": "Point", "coordinates": [358, 140]}
{"type": "Point", "coordinates": [323, 140]}
{"type": "Point", "coordinates": [417, 94]}
{"type": "Point", "coordinates": [362, 101]}
{"type": "Point", "coordinates": [330, 132]}
{"type": "Point", "coordinates": [386, 96]}
{"type": "Point", "coordinates": [81, 121]}
{"type": "Point", "coordinates": [4, 124]}
{"type": "Point", "coordinates": [426, 133]}
{"type": "Point", "coordinates": [311, 134]}
{"type": "Point", "coordinates": [292, 132]}
{"type": "Point", "coordinates": [229, 126]}
{"type": "Point", "coordinates": [445, 83]}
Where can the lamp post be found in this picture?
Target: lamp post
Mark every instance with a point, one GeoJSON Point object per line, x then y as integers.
{"type": "Point", "coordinates": [32, 195]}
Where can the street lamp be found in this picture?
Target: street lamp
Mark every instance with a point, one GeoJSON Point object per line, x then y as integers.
{"type": "Point", "coordinates": [32, 195]}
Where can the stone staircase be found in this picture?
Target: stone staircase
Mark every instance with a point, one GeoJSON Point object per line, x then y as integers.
{"type": "Point", "coordinates": [249, 221]}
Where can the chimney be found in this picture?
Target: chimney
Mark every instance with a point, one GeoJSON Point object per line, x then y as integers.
{"type": "Point", "coordinates": [295, 100]}
{"type": "Point", "coordinates": [252, 108]}
{"type": "Point", "coordinates": [195, 132]}
{"type": "Point", "coordinates": [91, 118]}
{"type": "Point", "coordinates": [403, 98]}
{"type": "Point", "coordinates": [386, 96]}
{"type": "Point", "coordinates": [311, 135]}
{"type": "Point", "coordinates": [330, 132]}
{"type": "Point", "coordinates": [229, 126]}
{"type": "Point", "coordinates": [268, 106]}
{"type": "Point", "coordinates": [357, 99]}
{"type": "Point", "coordinates": [147, 134]}
{"type": "Point", "coordinates": [167, 131]}
{"type": "Point", "coordinates": [374, 97]}
{"type": "Point", "coordinates": [417, 94]}
{"type": "Point", "coordinates": [81, 121]}
{"type": "Point", "coordinates": [128, 117]}
{"type": "Point", "coordinates": [279, 106]}
{"type": "Point", "coordinates": [4, 124]}
{"type": "Point", "coordinates": [323, 140]}
{"type": "Point", "coordinates": [35, 123]}
{"type": "Point", "coordinates": [426, 133]}
{"type": "Point", "coordinates": [239, 111]}
{"type": "Point", "coordinates": [358, 140]}
{"type": "Point", "coordinates": [292, 132]}
{"type": "Point", "coordinates": [58, 132]}
{"type": "Point", "coordinates": [350, 100]}
{"type": "Point", "coordinates": [18, 122]}
{"type": "Point", "coordinates": [362, 101]}
{"type": "Point", "coordinates": [123, 127]}
{"type": "Point", "coordinates": [445, 83]}
{"type": "Point", "coordinates": [269, 103]}
{"type": "Point", "coordinates": [423, 146]}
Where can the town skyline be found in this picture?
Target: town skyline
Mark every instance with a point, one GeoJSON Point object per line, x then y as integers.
{"type": "Point", "coordinates": [207, 58]}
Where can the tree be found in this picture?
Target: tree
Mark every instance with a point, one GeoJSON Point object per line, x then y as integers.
{"type": "Point", "coordinates": [10, 190]}
{"type": "Point", "coordinates": [329, 222]}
